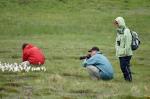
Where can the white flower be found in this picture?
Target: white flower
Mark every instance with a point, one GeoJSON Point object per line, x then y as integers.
{"type": "Point", "coordinates": [28, 68]}
{"type": "Point", "coordinates": [15, 67]}
{"type": "Point", "coordinates": [43, 68]}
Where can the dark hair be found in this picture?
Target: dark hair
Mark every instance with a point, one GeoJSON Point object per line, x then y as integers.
{"type": "Point", "coordinates": [24, 45]}
{"type": "Point", "coordinates": [94, 49]}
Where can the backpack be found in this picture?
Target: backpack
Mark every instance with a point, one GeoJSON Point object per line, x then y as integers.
{"type": "Point", "coordinates": [135, 40]}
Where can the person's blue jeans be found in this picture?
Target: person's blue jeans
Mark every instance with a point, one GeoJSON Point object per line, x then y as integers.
{"type": "Point", "coordinates": [125, 67]}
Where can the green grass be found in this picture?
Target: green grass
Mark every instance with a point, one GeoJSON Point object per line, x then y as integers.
{"type": "Point", "coordinates": [65, 30]}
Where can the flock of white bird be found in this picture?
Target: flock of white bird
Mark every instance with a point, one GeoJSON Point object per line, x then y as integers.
{"type": "Point", "coordinates": [15, 67]}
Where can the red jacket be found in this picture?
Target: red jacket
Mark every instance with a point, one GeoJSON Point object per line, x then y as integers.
{"type": "Point", "coordinates": [33, 54]}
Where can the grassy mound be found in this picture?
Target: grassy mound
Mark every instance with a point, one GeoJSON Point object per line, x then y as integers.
{"type": "Point", "coordinates": [64, 30]}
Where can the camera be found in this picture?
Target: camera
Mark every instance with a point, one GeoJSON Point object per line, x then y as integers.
{"type": "Point", "coordinates": [85, 57]}
{"type": "Point", "coordinates": [118, 43]}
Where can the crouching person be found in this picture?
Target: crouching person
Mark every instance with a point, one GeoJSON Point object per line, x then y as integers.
{"type": "Point", "coordinates": [32, 55]}
{"type": "Point", "coordinates": [97, 65]}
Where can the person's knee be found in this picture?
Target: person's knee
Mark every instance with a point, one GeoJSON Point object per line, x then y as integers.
{"type": "Point", "coordinates": [92, 69]}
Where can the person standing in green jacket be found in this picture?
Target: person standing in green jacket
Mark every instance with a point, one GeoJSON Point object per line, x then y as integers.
{"type": "Point", "coordinates": [123, 47]}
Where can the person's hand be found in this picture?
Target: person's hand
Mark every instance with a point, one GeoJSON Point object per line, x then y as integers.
{"type": "Point", "coordinates": [25, 63]}
{"type": "Point", "coordinates": [84, 60]}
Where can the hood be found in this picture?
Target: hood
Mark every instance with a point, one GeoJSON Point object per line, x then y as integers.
{"type": "Point", "coordinates": [121, 22]}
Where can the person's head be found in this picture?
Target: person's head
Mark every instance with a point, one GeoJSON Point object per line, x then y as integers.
{"type": "Point", "coordinates": [24, 45]}
{"type": "Point", "coordinates": [93, 50]}
{"type": "Point", "coordinates": [119, 22]}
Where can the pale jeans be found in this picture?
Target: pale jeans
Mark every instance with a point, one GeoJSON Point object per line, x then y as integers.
{"type": "Point", "coordinates": [94, 72]}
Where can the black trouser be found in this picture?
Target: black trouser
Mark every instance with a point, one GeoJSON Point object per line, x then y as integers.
{"type": "Point", "coordinates": [125, 67]}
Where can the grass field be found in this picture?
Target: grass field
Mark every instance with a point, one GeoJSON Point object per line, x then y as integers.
{"type": "Point", "coordinates": [65, 30]}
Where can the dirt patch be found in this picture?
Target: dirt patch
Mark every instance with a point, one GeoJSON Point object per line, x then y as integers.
{"type": "Point", "coordinates": [2, 89]}
{"type": "Point", "coordinates": [13, 84]}
{"type": "Point", "coordinates": [5, 51]}
{"type": "Point", "coordinates": [73, 75]}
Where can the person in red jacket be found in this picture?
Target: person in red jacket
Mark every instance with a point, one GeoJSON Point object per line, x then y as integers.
{"type": "Point", "coordinates": [32, 55]}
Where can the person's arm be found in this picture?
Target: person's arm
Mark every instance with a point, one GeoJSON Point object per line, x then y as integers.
{"type": "Point", "coordinates": [128, 40]}
{"type": "Point", "coordinates": [25, 56]}
{"type": "Point", "coordinates": [116, 44]}
{"type": "Point", "coordinates": [90, 61]}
